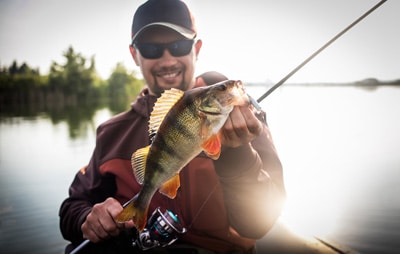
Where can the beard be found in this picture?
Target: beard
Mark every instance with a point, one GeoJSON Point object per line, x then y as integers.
{"type": "Point", "coordinates": [161, 81]}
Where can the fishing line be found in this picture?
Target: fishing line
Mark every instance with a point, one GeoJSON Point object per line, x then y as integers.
{"type": "Point", "coordinates": [202, 205]}
{"type": "Point", "coordinates": [316, 53]}
{"type": "Point", "coordinates": [281, 82]}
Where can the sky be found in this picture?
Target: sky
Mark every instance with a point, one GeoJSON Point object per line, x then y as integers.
{"type": "Point", "coordinates": [255, 41]}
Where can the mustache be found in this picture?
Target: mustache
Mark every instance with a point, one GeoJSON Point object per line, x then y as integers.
{"type": "Point", "coordinates": [169, 69]}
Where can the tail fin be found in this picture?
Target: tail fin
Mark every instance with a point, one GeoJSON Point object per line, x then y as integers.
{"type": "Point", "coordinates": [131, 212]}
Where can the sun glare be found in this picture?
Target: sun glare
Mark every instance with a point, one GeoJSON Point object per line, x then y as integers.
{"type": "Point", "coordinates": [312, 207]}
{"type": "Point", "coordinates": [315, 198]}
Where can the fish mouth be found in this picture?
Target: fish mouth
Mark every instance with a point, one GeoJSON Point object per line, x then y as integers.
{"type": "Point", "coordinates": [236, 95]}
{"type": "Point", "coordinates": [222, 97]}
{"type": "Point", "coordinates": [212, 113]}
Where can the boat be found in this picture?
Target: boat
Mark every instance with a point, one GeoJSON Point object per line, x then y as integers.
{"type": "Point", "coordinates": [281, 239]}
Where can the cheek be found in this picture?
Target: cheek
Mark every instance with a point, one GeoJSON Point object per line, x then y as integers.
{"type": "Point", "coordinates": [190, 63]}
{"type": "Point", "coordinates": [146, 67]}
{"type": "Point", "coordinates": [146, 70]}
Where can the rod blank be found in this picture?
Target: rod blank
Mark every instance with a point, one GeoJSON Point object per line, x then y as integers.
{"type": "Point", "coordinates": [319, 51]}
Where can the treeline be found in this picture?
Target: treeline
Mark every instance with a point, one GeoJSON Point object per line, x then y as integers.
{"type": "Point", "coordinates": [69, 85]}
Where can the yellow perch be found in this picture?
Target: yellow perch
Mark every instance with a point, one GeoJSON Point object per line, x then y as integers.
{"type": "Point", "coordinates": [182, 125]}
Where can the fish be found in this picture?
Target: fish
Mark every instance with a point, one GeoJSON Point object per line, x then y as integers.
{"type": "Point", "coordinates": [181, 126]}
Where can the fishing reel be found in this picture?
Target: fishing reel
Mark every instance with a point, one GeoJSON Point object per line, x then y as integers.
{"type": "Point", "coordinates": [162, 229]}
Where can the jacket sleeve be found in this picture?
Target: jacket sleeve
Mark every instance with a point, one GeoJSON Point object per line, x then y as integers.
{"type": "Point", "coordinates": [88, 188]}
{"type": "Point", "coordinates": [252, 182]}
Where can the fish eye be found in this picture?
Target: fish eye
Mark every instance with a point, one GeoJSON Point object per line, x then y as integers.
{"type": "Point", "coordinates": [222, 87]}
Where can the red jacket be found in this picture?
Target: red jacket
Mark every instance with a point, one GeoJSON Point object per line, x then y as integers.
{"type": "Point", "coordinates": [225, 204]}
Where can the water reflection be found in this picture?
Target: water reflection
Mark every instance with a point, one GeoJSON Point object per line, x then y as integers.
{"type": "Point", "coordinates": [339, 148]}
{"type": "Point", "coordinates": [77, 116]}
{"type": "Point", "coordinates": [38, 160]}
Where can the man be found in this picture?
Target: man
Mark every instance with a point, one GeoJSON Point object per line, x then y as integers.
{"type": "Point", "coordinates": [225, 205]}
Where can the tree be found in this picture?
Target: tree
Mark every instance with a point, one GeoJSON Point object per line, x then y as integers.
{"type": "Point", "coordinates": [123, 88]}
{"type": "Point", "coordinates": [20, 86]}
{"type": "Point", "coordinates": [75, 78]}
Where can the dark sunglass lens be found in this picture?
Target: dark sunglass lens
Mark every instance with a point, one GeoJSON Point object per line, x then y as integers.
{"type": "Point", "coordinates": [150, 51]}
{"type": "Point", "coordinates": [180, 48]}
{"type": "Point", "coordinates": [154, 50]}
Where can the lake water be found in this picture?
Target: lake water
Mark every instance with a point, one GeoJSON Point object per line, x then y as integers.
{"type": "Point", "coordinates": [340, 147]}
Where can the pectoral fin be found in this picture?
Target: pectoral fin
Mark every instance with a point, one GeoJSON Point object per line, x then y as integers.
{"type": "Point", "coordinates": [170, 187]}
{"type": "Point", "coordinates": [212, 147]}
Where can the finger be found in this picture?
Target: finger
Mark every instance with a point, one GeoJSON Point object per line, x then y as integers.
{"type": "Point", "coordinates": [228, 131]}
{"type": "Point", "coordinates": [253, 124]}
{"type": "Point", "coordinates": [128, 224]}
{"type": "Point", "coordinates": [99, 231]}
{"type": "Point", "coordinates": [239, 122]}
{"type": "Point", "coordinates": [100, 223]}
{"type": "Point", "coordinates": [109, 227]}
{"type": "Point", "coordinates": [92, 231]}
{"type": "Point", "coordinates": [91, 236]}
{"type": "Point", "coordinates": [237, 117]}
{"type": "Point", "coordinates": [95, 225]}
{"type": "Point", "coordinates": [229, 134]}
{"type": "Point", "coordinates": [107, 220]}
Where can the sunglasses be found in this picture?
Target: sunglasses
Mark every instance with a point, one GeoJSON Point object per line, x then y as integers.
{"type": "Point", "coordinates": [156, 50]}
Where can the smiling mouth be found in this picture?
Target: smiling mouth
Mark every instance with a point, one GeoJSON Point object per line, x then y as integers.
{"type": "Point", "coordinates": [169, 74]}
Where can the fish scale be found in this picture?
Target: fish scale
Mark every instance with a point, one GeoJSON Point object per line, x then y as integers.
{"type": "Point", "coordinates": [182, 125]}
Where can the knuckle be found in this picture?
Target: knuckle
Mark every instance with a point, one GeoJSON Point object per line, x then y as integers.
{"type": "Point", "coordinates": [109, 228]}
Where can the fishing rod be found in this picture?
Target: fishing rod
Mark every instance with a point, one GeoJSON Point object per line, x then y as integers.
{"type": "Point", "coordinates": [283, 80]}
{"type": "Point", "coordinates": [162, 229]}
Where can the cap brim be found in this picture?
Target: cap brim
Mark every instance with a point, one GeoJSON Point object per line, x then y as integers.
{"type": "Point", "coordinates": [187, 33]}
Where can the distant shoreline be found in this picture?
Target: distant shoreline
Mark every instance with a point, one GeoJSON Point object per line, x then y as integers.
{"type": "Point", "coordinates": [366, 83]}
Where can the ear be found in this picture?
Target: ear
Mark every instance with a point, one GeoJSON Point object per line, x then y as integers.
{"type": "Point", "coordinates": [197, 47]}
{"type": "Point", "coordinates": [134, 54]}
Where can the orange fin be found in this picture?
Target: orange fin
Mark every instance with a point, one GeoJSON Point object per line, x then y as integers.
{"type": "Point", "coordinates": [212, 147]}
{"type": "Point", "coordinates": [127, 213]}
{"type": "Point", "coordinates": [130, 212]}
{"type": "Point", "coordinates": [170, 187]}
{"type": "Point", "coordinates": [138, 161]}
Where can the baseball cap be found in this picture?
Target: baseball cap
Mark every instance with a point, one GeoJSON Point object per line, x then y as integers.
{"type": "Point", "coordinates": [173, 14]}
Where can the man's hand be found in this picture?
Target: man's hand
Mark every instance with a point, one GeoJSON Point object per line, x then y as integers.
{"type": "Point", "coordinates": [241, 127]}
{"type": "Point", "coordinates": [100, 223]}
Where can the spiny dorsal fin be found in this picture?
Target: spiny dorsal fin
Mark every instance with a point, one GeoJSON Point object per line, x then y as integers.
{"type": "Point", "coordinates": [161, 108]}
{"type": "Point", "coordinates": [138, 161]}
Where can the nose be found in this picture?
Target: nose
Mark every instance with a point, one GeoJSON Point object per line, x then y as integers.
{"type": "Point", "coordinates": [167, 58]}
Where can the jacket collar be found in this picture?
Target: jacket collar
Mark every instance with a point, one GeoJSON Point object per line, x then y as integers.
{"type": "Point", "coordinates": [144, 103]}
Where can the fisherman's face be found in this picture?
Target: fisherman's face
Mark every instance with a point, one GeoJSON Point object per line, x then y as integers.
{"type": "Point", "coordinates": [167, 71]}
